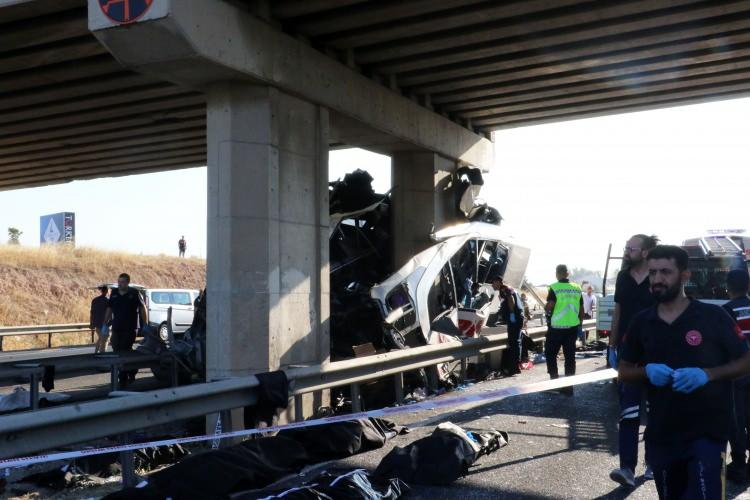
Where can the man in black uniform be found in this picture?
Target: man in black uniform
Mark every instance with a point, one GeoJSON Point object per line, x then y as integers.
{"type": "Point", "coordinates": [565, 313]}
{"type": "Point", "coordinates": [632, 295]}
{"type": "Point", "coordinates": [688, 352]}
{"type": "Point", "coordinates": [125, 309]}
{"type": "Point", "coordinates": [512, 314]}
{"type": "Point", "coordinates": [738, 282]}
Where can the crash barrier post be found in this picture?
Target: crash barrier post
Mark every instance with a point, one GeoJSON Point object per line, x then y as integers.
{"type": "Point", "coordinates": [25, 433]}
{"type": "Point", "coordinates": [398, 383]}
{"type": "Point", "coordinates": [127, 462]}
{"type": "Point", "coordinates": [299, 413]}
{"type": "Point", "coordinates": [356, 398]}
{"type": "Point", "coordinates": [49, 330]}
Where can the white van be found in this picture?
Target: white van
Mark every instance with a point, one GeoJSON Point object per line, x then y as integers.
{"type": "Point", "coordinates": [158, 302]}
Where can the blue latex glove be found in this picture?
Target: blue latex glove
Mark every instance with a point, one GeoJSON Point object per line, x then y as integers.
{"type": "Point", "coordinates": [512, 317]}
{"type": "Point", "coordinates": [686, 380]}
{"type": "Point", "coordinates": [612, 357]}
{"type": "Point", "coordinates": [659, 374]}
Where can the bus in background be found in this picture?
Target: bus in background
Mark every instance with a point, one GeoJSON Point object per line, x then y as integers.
{"type": "Point", "coordinates": [711, 258]}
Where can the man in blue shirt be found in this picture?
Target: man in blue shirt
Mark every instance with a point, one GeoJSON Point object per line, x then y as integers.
{"type": "Point", "coordinates": [688, 352]}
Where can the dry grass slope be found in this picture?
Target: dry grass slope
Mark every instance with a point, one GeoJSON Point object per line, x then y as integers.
{"type": "Point", "coordinates": [52, 285]}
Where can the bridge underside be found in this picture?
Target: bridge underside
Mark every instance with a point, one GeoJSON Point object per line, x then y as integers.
{"type": "Point", "coordinates": [69, 110]}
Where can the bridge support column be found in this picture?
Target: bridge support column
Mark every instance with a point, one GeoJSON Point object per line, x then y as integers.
{"type": "Point", "coordinates": [424, 200]}
{"type": "Point", "coordinates": [267, 274]}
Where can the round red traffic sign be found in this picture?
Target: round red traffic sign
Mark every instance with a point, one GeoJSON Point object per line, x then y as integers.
{"type": "Point", "coordinates": [124, 11]}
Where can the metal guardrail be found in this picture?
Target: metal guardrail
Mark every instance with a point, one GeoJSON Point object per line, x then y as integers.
{"type": "Point", "coordinates": [27, 433]}
{"type": "Point", "coordinates": [49, 330]}
{"type": "Point", "coordinates": [40, 329]}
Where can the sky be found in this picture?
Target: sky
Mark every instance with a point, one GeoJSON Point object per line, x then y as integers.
{"type": "Point", "coordinates": [566, 190]}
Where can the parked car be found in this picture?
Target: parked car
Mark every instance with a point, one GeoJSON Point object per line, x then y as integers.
{"type": "Point", "coordinates": [182, 302]}
{"type": "Point", "coordinates": [159, 300]}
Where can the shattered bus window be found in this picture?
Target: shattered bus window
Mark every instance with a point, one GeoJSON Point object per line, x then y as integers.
{"type": "Point", "coordinates": [493, 259]}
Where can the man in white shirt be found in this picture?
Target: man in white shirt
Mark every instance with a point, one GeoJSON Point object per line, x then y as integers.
{"type": "Point", "coordinates": [589, 303]}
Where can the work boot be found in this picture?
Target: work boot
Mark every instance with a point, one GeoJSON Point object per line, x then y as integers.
{"type": "Point", "coordinates": [736, 472]}
{"type": "Point", "coordinates": [624, 476]}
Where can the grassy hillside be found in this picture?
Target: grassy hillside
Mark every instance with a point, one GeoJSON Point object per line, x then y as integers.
{"type": "Point", "coordinates": [52, 285]}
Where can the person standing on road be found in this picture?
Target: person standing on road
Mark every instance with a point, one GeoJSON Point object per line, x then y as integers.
{"type": "Point", "coordinates": [632, 295]}
{"type": "Point", "coordinates": [96, 319]}
{"type": "Point", "coordinates": [565, 309]}
{"type": "Point", "coordinates": [182, 246]}
{"type": "Point", "coordinates": [738, 283]}
{"type": "Point", "coordinates": [125, 309]}
{"type": "Point", "coordinates": [687, 352]}
{"type": "Point", "coordinates": [512, 313]}
{"type": "Point", "coordinates": [589, 303]}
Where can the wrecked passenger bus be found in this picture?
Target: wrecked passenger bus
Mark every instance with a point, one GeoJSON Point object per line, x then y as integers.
{"type": "Point", "coordinates": [442, 293]}
{"type": "Point", "coordinates": [445, 292]}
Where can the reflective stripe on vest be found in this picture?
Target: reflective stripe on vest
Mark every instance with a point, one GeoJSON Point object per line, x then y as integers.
{"type": "Point", "coordinates": [567, 305]}
{"type": "Point", "coordinates": [742, 316]}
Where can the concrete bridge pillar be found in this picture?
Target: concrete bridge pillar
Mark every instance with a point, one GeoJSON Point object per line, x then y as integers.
{"type": "Point", "coordinates": [424, 199]}
{"type": "Point", "coordinates": [267, 259]}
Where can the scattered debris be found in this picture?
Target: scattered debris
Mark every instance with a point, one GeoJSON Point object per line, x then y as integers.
{"type": "Point", "coordinates": [258, 463]}
{"type": "Point", "coordinates": [442, 457]}
{"type": "Point", "coordinates": [559, 426]}
{"type": "Point", "coordinates": [148, 459]}
{"type": "Point", "coordinates": [20, 399]}
{"type": "Point", "coordinates": [353, 484]}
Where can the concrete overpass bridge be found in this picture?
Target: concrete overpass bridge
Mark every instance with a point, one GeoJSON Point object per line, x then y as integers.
{"type": "Point", "coordinates": [260, 91]}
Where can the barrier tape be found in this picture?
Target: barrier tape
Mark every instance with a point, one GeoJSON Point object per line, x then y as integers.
{"type": "Point", "coordinates": [433, 404]}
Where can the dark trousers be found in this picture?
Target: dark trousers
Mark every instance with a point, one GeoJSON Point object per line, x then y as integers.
{"type": "Point", "coordinates": [739, 439]}
{"type": "Point", "coordinates": [512, 354]}
{"type": "Point", "coordinates": [555, 339]}
{"type": "Point", "coordinates": [693, 470]}
{"type": "Point", "coordinates": [630, 420]}
{"type": "Point", "coordinates": [122, 341]}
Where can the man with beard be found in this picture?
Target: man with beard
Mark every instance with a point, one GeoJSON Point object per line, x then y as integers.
{"type": "Point", "coordinates": [688, 352]}
{"type": "Point", "coordinates": [632, 294]}
{"type": "Point", "coordinates": [738, 282]}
